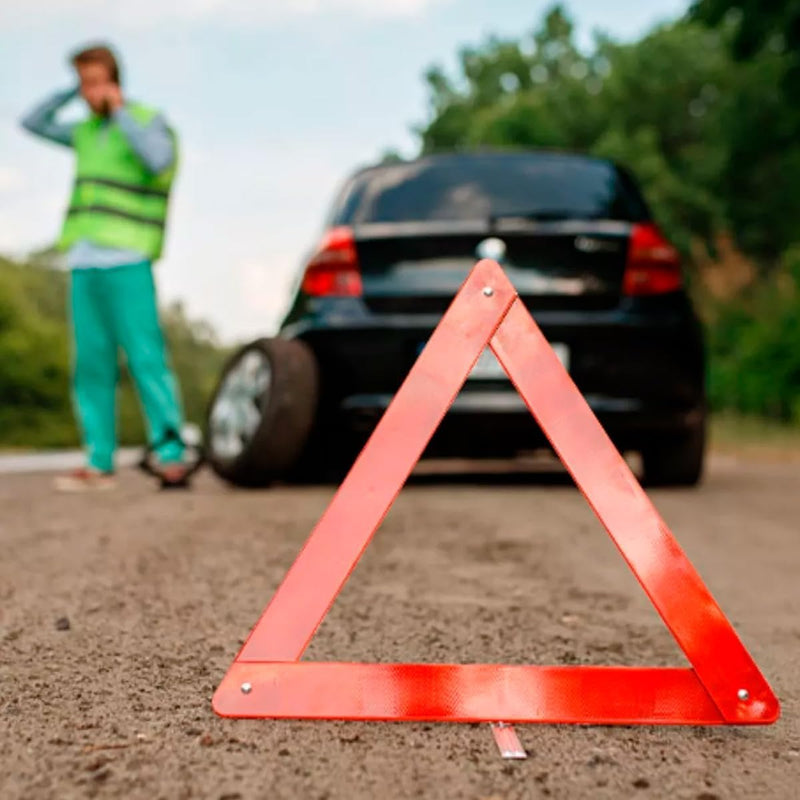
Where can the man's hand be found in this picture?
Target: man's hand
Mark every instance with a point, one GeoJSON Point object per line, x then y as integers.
{"type": "Point", "coordinates": [113, 97]}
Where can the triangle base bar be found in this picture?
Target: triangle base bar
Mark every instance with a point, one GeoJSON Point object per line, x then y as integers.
{"type": "Point", "coordinates": [467, 693]}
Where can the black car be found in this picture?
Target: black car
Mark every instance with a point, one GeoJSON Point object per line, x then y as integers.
{"type": "Point", "coordinates": [577, 240]}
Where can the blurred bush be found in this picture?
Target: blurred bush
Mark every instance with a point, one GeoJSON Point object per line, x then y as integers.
{"type": "Point", "coordinates": [35, 405]}
{"type": "Point", "coordinates": [753, 346]}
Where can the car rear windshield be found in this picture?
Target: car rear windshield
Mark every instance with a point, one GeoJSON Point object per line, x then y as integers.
{"type": "Point", "coordinates": [461, 188]}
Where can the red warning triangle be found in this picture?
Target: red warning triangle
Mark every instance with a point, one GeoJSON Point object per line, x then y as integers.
{"type": "Point", "coordinates": [267, 678]}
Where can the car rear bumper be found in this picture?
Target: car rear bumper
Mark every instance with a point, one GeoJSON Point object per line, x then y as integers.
{"type": "Point", "coordinates": [641, 369]}
{"type": "Point", "coordinates": [483, 402]}
{"type": "Point", "coordinates": [497, 423]}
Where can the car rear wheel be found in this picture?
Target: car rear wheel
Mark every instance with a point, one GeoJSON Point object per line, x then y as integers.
{"type": "Point", "coordinates": [677, 462]}
{"type": "Point", "coordinates": [262, 412]}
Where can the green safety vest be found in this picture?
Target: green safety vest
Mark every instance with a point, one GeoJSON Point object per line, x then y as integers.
{"type": "Point", "coordinates": [116, 201]}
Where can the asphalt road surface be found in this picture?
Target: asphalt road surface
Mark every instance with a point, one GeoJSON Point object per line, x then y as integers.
{"type": "Point", "coordinates": [120, 613]}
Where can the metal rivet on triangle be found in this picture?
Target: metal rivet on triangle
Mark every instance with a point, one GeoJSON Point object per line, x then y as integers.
{"type": "Point", "coordinates": [247, 688]}
{"type": "Point", "coordinates": [743, 695]}
{"type": "Point", "coordinates": [488, 291]}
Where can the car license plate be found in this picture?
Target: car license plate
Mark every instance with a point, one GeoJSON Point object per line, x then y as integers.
{"type": "Point", "coordinates": [488, 368]}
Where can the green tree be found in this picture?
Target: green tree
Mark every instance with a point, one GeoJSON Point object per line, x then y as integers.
{"type": "Point", "coordinates": [517, 94]}
{"type": "Point", "coordinates": [34, 360]}
{"type": "Point", "coordinates": [762, 123]}
{"type": "Point", "coordinates": [653, 106]}
{"type": "Point", "coordinates": [706, 112]}
{"type": "Point", "coordinates": [753, 347]}
{"type": "Point", "coordinates": [714, 140]}
{"type": "Point", "coordinates": [758, 25]}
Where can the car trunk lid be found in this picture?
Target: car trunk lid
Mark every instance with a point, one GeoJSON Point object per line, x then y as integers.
{"type": "Point", "coordinates": [554, 264]}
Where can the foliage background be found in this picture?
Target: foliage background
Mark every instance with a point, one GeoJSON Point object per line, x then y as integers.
{"type": "Point", "coordinates": [705, 110]}
{"type": "Point", "coordinates": [35, 408]}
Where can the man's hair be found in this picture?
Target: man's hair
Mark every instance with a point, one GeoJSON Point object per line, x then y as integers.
{"type": "Point", "coordinates": [98, 54]}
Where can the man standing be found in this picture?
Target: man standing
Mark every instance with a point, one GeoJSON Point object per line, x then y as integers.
{"type": "Point", "coordinates": [114, 229]}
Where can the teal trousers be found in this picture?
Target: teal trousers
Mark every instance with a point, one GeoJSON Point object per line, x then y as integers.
{"type": "Point", "coordinates": [113, 309]}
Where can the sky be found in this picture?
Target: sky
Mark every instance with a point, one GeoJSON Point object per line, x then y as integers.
{"type": "Point", "coordinates": [276, 102]}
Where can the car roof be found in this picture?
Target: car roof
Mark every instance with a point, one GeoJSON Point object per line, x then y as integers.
{"type": "Point", "coordinates": [472, 155]}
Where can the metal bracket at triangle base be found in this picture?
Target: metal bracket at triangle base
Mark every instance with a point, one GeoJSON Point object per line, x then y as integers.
{"type": "Point", "coordinates": [507, 741]}
{"type": "Point", "coordinates": [267, 679]}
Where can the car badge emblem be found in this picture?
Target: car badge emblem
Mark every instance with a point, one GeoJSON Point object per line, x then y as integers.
{"type": "Point", "coordinates": [493, 248]}
{"type": "Point", "coordinates": [587, 244]}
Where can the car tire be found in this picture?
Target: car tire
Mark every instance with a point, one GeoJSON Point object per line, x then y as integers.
{"type": "Point", "coordinates": [678, 462]}
{"type": "Point", "coordinates": [262, 412]}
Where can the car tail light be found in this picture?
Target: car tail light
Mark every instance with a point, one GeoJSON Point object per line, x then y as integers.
{"type": "Point", "coordinates": [333, 270]}
{"type": "Point", "coordinates": [654, 265]}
